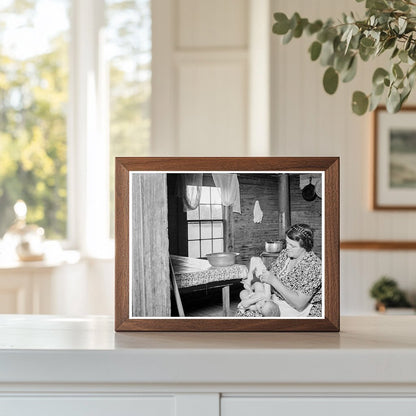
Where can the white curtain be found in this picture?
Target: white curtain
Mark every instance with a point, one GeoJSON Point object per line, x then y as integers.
{"type": "Point", "coordinates": [230, 189]}
{"type": "Point", "coordinates": [189, 189]}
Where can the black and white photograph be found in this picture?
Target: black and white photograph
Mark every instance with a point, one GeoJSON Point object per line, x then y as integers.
{"type": "Point", "coordinates": [240, 245]}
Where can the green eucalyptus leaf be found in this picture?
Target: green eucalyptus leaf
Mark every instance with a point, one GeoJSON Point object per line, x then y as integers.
{"type": "Point", "coordinates": [330, 80]}
{"type": "Point", "coordinates": [332, 33]}
{"type": "Point", "coordinates": [351, 70]}
{"type": "Point", "coordinates": [355, 41]}
{"type": "Point", "coordinates": [281, 27]}
{"type": "Point", "coordinates": [389, 43]}
{"type": "Point", "coordinates": [288, 37]}
{"type": "Point", "coordinates": [359, 103]}
{"type": "Point", "coordinates": [338, 45]}
{"type": "Point", "coordinates": [408, 42]}
{"type": "Point", "coordinates": [411, 78]}
{"type": "Point", "coordinates": [298, 30]}
{"type": "Point", "coordinates": [400, 5]}
{"type": "Point", "coordinates": [376, 4]}
{"type": "Point", "coordinates": [367, 42]}
{"type": "Point", "coordinates": [404, 96]}
{"type": "Point", "coordinates": [294, 20]}
{"type": "Point", "coordinates": [395, 52]}
{"type": "Point", "coordinates": [314, 27]}
{"type": "Point", "coordinates": [393, 101]}
{"type": "Point", "coordinates": [412, 52]}
{"type": "Point", "coordinates": [322, 35]}
{"type": "Point", "coordinates": [374, 102]}
{"type": "Point", "coordinates": [327, 53]}
{"type": "Point", "coordinates": [387, 82]}
{"type": "Point", "coordinates": [378, 89]}
{"type": "Point", "coordinates": [341, 61]}
{"type": "Point", "coordinates": [315, 50]}
{"type": "Point", "coordinates": [397, 71]}
{"type": "Point", "coordinates": [366, 53]}
{"type": "Point", "coordinates": [403, 56]}
{"type": "Point", "coordinates": [399, 85]}
{"type": "Point", "coordinates": [379, 75]}
{"type": "Point", "coordinates": [412, 70]}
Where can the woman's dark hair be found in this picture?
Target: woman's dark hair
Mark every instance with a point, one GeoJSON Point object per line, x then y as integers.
{"type": "Point", "coordinates": [302, 233]}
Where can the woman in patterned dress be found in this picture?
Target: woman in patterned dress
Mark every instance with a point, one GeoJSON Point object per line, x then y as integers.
{"type": "Point", "coordinates": [296, 274]}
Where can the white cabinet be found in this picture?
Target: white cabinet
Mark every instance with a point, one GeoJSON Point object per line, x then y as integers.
{"type": "Point", "coordinates": [324, 406]}
{"type": "Point", "coordinates": [88, 406]}
{"type": "Point", "coordinates": [80, 366]}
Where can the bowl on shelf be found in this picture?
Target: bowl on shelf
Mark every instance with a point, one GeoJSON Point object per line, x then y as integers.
{"type": "Point", "coordinates": [221, 259]}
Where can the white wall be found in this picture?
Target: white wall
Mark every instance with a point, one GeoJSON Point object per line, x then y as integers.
{"type": "Point", "coordinates": [214, 78]}
{"type": "Point", "coordinates": [203, 68]}
{"type": "Point", "coordinates": [210, 65]}
{"type": "Point", "coordinates": [306, 121]}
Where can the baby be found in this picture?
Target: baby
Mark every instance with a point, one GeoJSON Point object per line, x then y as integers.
{"type": "Point", "coordinates": [256, 297]}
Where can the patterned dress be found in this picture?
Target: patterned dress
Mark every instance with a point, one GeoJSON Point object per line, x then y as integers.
{"type": "Point", "coordinates": [305, 277]}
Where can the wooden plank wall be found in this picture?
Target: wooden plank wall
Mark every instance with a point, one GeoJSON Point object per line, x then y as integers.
{"type": "Point", "coordinates": [249, 237]}
{"type": "Point", "coordinates": [150, 245]}
{"type": "Point", "coordinates": [307, 212]}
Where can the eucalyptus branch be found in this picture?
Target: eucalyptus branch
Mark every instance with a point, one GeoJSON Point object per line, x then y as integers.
{"type": "Point", "coordinates": [388, 26]}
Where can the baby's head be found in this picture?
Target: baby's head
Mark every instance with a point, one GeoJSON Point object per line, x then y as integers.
{"type": "Point", "coordinates": [270, 309]}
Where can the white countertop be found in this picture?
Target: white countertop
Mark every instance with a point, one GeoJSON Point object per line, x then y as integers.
{"type": "Point", "coordinates": [53, 349]}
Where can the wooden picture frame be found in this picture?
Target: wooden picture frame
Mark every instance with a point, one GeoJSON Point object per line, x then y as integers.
{"type": "Point", "coordinates": [144, 203]}
{"type": "Point", "coordinates": [394, 158]}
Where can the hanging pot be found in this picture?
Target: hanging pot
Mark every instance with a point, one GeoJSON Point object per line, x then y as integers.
{"type": "Point", "coordinates": [308, 192]}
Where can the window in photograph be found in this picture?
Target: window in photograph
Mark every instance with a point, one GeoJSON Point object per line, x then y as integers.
{"type": "Point", "coordinates": [205, 224]}
{"type": "Point", "coordinates": [34, 67]}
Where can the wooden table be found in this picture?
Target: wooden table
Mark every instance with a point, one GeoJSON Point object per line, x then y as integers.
{"type": "Point", "coordinates": [192, 275]}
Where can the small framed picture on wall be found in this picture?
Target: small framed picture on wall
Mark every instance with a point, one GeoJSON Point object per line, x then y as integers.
{"type": "Point", "coordinates": [394, 159]}
{"type": "Point", "coordinates": [227, 244]}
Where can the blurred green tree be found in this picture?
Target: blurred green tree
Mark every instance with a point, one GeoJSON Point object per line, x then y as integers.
{"type": "Point", "coordinates": [33, 97]}
{"type": "Point", "coordinates": [34, 101]}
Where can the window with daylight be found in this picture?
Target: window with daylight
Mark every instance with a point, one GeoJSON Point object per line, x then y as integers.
{"type": "Point", "coordinates": [206, 224]}
{"type": "Point", "coordinates": [75, 88]}
{"type": "Point", "coordinates": [34, 73]}
{"type": "Point", "coordinates": [129, 58]}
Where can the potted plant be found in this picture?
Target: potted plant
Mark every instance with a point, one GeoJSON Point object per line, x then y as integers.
{"type": "Point", "coordinates": [387, 294]}
{"type": "Point", "coordinates": [389, 27]}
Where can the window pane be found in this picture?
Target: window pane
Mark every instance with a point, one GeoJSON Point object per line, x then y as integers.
{"type": "Point", "coordinates": [33, 101]}
{"type": "Point", "coordinates": [193, 231]}
{"type": "Point", "coordinates": [129, 56]}
{"type": "Point", "coordinates": [193, 249]}
{"type": "Point", "coordinates": [218, 246]}
{"type": "Point", "coordinates": [206, 247]}
{"type": "Point", "coordinates": [206, 230]}
{"type": "Point", "coordinates": [215, 195]}
{"type": "Point", "coordinates": [205, 195]}
{"type": "Point", "coordinates": [217, 229]}
{"type": "Point", "coordinates": [205, 211]}
{"type": "Point", "coordinates": [192, 215]}
{"type": "Point", "coordinates": [216, 212]}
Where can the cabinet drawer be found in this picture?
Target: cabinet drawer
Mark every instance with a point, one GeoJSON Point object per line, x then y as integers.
{"type": "Point", "coordinates": [272, 406]}
{"type": "Point", "coordinates": [88, 406]}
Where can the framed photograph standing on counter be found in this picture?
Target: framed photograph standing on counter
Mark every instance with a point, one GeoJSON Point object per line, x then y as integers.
{"type": "Point", "coordinates": [227, 244]}
{"type": "Point", "coordinates": [394, 159]}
